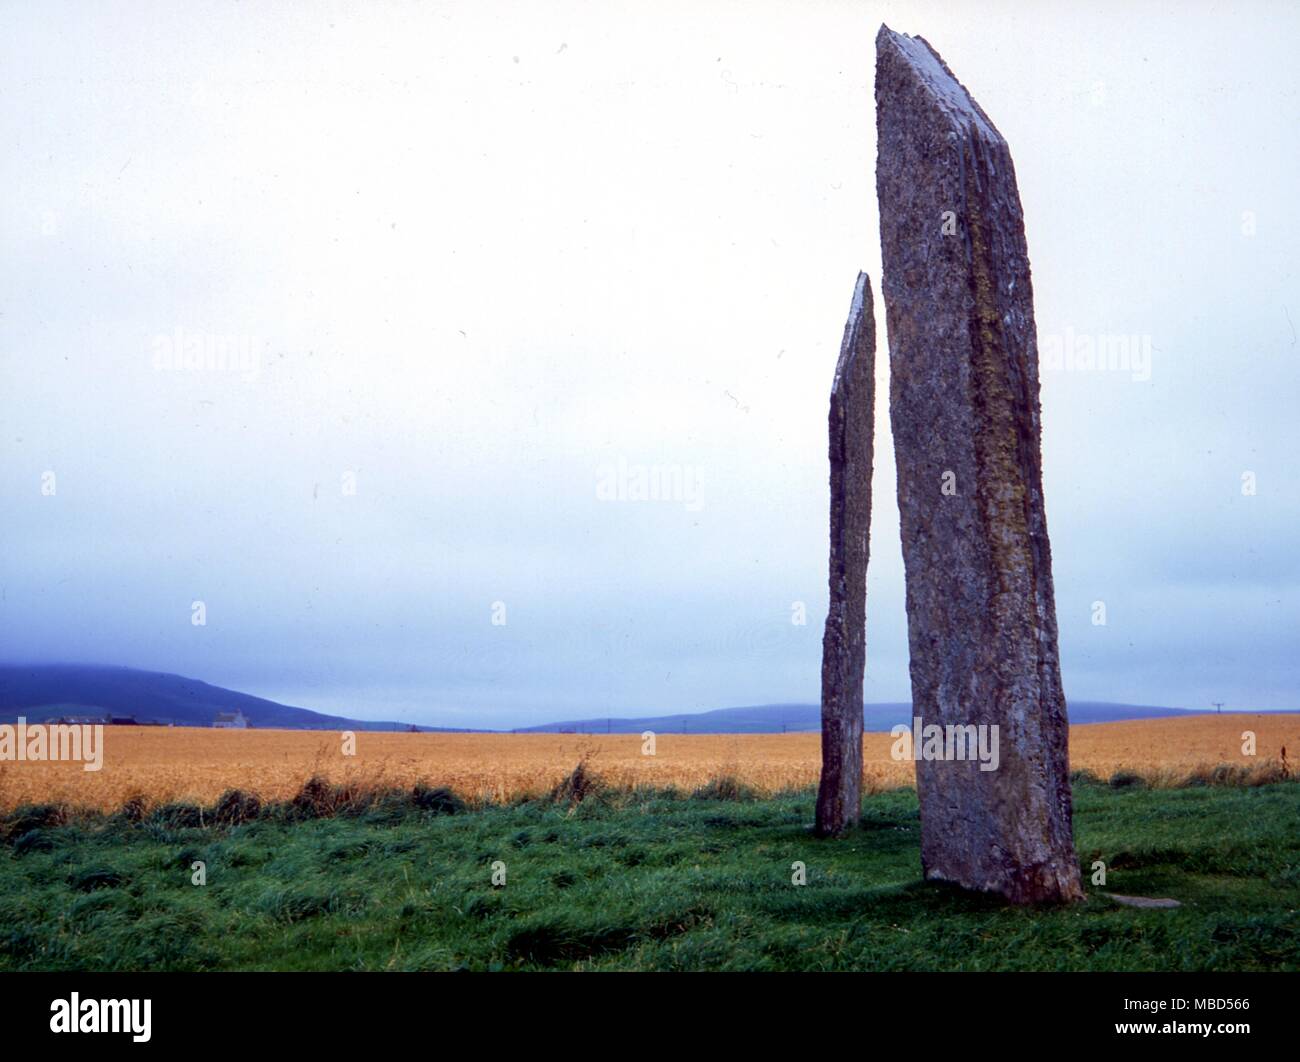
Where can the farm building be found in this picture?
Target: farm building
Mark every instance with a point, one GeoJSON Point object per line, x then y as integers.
{"type": "Point", "coordinates": [231, 720]}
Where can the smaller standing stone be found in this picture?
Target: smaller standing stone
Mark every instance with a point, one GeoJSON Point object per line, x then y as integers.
{"type": "Point", "coordinates": [844, 651]}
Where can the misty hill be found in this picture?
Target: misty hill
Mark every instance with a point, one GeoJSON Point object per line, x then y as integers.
{"type": "Point", "coordinates": [42, 691]}
{"type": "Point", "coordinates": [45, 691]}
{"type": "Point", "coordinates": [775, 718]}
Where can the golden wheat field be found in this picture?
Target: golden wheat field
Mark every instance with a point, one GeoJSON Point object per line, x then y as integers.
{"type": "Point", "coordinates": [163, 764]}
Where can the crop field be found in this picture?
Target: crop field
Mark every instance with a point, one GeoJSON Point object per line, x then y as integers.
{"type": "Point", "coordinates": [183, 764]}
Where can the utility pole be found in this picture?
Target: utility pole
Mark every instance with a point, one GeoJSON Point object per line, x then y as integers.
{"type": "Point", "coordinates": [1218, 705]}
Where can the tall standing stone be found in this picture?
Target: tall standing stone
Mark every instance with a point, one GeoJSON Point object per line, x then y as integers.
{"type": "Point", "coordinates": [844, 652]}
{"type": "Point", "coordinates": [964, 409]}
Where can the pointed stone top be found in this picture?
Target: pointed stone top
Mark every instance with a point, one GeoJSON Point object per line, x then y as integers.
{"type": "Point", "coordinates": [859, 310]}
{"type": "Point", "coordinates": [932, 74]}
{"type": "Point", "coordinates": [859, 294]}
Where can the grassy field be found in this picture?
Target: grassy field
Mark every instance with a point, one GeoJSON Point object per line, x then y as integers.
{"type": "Point", "coordinates": [634, 881]}
{"type": "Point", "coordinates": [159, 765]}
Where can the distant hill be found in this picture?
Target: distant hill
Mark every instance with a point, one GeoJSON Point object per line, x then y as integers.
{"type": "Point", "coordinates": [52, 690]}
{"type": "Point", "coordinates": [45, 691]}
{"type": "Point", "coordinates": [775, 718]}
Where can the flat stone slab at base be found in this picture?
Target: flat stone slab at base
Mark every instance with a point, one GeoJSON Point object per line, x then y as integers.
{"type": "Point", "coordinates": [1143, 901]}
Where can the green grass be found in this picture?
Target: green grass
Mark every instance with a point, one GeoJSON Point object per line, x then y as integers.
{"type": "Point", "coordinates": [645, 881]}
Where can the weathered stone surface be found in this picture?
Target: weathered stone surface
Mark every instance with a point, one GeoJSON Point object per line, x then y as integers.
{"type": "Point", "coordinates": [964, 409]}
{"type": "Point", "coordinates": [844, 654]}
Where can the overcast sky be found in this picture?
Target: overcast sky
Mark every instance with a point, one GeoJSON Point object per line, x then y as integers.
{"type": "Point", "coordinates": [482, 267]}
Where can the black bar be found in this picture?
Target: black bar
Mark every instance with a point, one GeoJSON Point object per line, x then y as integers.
{"type": "Point", "coordinates": [332, 1010]}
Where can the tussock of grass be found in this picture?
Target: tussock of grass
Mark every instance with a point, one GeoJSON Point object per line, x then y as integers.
{"type": "Point", "coordinates": [578, 785]}
{"type": "Point", "coordinates": [236, 807]}
{"type": "Point", "coordinates": [135, 808]}
{"type": "Point", "coordinates": [439, 800]}
{"type": "Point", "coordinates": [179, 817]}
{"type": "Point", "coordinates": [726, 787]}
{"type": "Point", "coordinates": [32, 817]}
